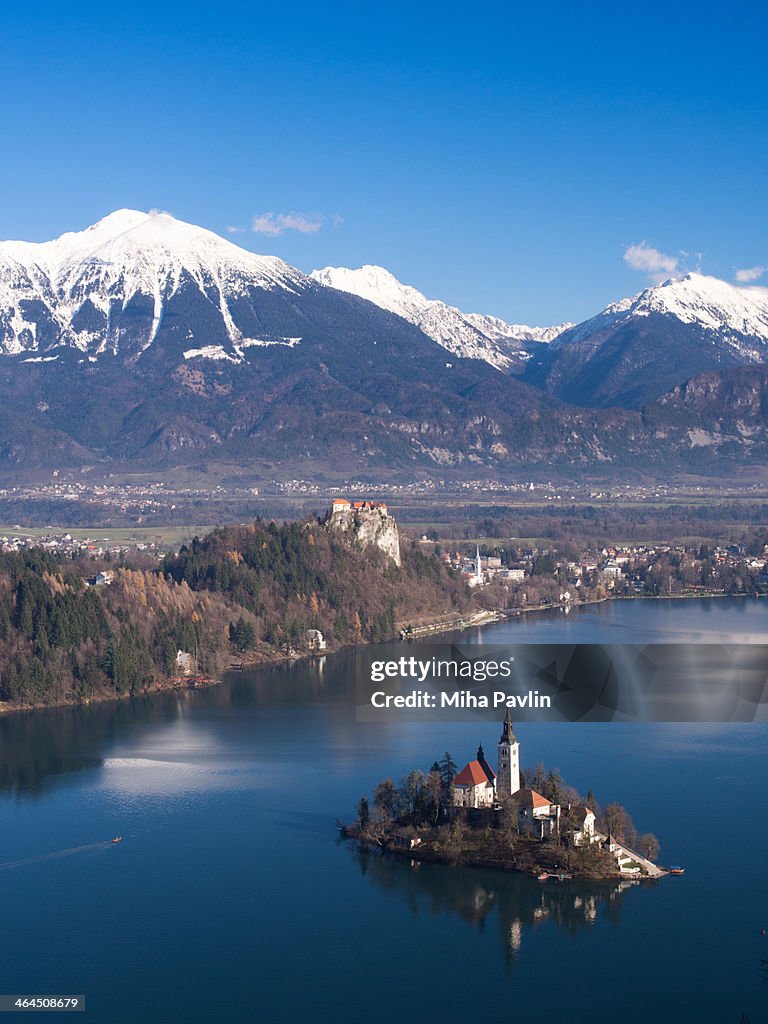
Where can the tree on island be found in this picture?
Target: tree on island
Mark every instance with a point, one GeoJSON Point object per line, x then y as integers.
{"type": "Point", "coordinates": [648, 845]}
{"type": "Point", "coordinates": [413, 793]}
{"type": "Point", "coordinates": [616, 821]}
{"type": "Point", "coordinates": [386, 798]}
{"type": "Point", "coordinates": [510, 819]}
{"type": "Point", "coordinates": [363, 814]}
{"type": "Point", "coordinates": [447, 768]}
{"type": "Point", "coordinates": [536, 778]}
{"type": "Point", "coordinates": [433, 794]}
{"type": "Point", "coordinates": [454, 837]}
{"type": "Point", "coordinates": [553, 789]}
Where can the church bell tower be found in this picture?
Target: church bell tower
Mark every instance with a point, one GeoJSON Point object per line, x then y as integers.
{"type": "Point", "coordinates": [508, 779]}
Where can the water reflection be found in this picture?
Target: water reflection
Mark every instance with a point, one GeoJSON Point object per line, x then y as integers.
{"type": "Point", "coordinates": [476, 895]}
{"type": "Point", "coordinates": [38, 745]}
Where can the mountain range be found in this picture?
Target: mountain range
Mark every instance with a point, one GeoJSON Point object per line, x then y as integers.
{"type": "Point", "coordinates": [469, 335]}
{"type": "Point", "coordinates": [147, 343]}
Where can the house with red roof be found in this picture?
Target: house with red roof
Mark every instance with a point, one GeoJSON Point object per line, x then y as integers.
{"type": "Point", "coordinates": [532, 803]}
{"type": "Point", "coordinates": [536, 813]}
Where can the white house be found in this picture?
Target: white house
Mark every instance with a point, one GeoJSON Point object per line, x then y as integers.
{"type": "Point", "coordinates": [582, 820]}
{"type": "Point", "coordinates": [184, 663]}
{"type": "Point", "coordinates": [315, 640]}
{"type": "Point", "coordinates": [537, 814]}
{"type": "Point", "coordinates": [532, 804]}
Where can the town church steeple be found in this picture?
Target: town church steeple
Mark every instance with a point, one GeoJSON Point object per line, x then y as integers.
{"type": "Point", "coordinates": [508, 779]}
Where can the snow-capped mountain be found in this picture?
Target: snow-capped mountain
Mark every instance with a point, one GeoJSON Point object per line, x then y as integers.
{"type": "Point", "coordinates": [110, 287]}
{"type": "Point", "coordinates": [148, 341]}
{"type": "Point", "coordinates": [638, 348]}
{"type": "Point", "coordinates": [732, 311]}
{"type": "Point", "coordinates": [470, 335]}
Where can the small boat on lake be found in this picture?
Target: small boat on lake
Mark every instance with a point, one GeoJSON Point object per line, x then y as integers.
{"type": "Point", "coordinates": [117, 839]}
{"type": "Point", "coordinates": [676, 870]}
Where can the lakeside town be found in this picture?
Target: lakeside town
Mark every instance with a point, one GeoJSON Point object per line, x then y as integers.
{"type": "Point", "coordinates": [663, 570]}
{"type": "Point", "coordinates": [504, 574]}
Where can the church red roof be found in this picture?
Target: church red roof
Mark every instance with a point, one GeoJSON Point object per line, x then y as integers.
{"type": "Point", "coordinates": [471, 774]}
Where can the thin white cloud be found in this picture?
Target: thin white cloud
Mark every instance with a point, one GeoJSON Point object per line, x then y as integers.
{"type": "Point", "coordinates": [658, 265]}
{"type": "Point", "coordinates": [749, 274]}
{"type": "Point", "coordinates": [278, 223]}
{"type": "Point", "coordinates": [233, 230]}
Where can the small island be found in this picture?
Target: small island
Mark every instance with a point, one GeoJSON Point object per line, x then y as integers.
{"type": "Point", "coordinates": [531, 822]}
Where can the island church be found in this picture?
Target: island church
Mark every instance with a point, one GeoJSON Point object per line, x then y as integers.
{"type": "Point", "coordinates": [477, 784]}
{"type": "Point", "coordinates": [478, 787]}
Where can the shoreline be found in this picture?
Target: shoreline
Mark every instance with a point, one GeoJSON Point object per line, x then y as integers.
{"type": "Point", "coordinates": [535, 870]}
{"type": "Point", "coordinates": [476, 620]}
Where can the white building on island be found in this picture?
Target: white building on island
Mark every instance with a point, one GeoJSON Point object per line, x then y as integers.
{"type": "Point", "coordinates": [475, 785]}
{"type": "Point", "coordinates": [509, 761]}
{"type": "Point", "coordinates": [478, 787]}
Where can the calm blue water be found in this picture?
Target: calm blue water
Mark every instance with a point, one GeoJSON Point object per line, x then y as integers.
{"type": "Point", "coordinates": [231, 900]}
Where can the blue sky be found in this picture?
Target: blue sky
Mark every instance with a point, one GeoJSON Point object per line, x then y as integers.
{"type": "Point", "coordinates": [496, 156]}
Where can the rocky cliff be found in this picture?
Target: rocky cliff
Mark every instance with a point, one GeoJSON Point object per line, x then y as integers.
{"type": "Point", "coordinates": [366, 523]}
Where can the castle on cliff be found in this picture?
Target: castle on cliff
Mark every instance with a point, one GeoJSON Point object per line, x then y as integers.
{"type": "Point", "coordinates": [366, 523]}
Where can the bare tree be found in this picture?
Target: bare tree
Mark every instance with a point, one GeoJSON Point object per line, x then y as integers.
{"type": "Point", "coordinates": [615, 820]}
{"type": "Point", "coordinates": [648, 845]}
{"type": "Point", "coordinates": [386, 797]}
{"type": "Point", "coordinates": [433, 795]}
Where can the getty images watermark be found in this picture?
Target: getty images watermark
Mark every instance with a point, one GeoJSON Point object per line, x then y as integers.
{"type": "Point", "coordinates": [668, 682]}
{"type": "Point", "coordinates": [428, 670]}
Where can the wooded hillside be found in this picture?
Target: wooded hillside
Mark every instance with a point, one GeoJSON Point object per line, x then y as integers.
{"type": "Point", "coordinates": [250, 590]}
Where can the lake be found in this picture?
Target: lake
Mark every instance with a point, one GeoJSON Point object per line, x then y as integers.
{"type": "Point", "coordinates": [230, 898]}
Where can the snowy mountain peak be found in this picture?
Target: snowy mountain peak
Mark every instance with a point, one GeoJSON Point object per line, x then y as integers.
{"type": "Point", "coordinates": [696, 299]}
{"type": "Point", "coordinates": [640, 347]}
{"type": "Point", "coordinates": [710, 301]}
{"type": "Point", "coordinates": [469, 335]}
{"type": "Point", "coordinates": [73, 291]}
{"type": "Point", "coordinates": [125, 235]}
{"type": "Point", "coordinates": [375, 284]}
{"type": "Point", "coordinates": [116, 222]}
